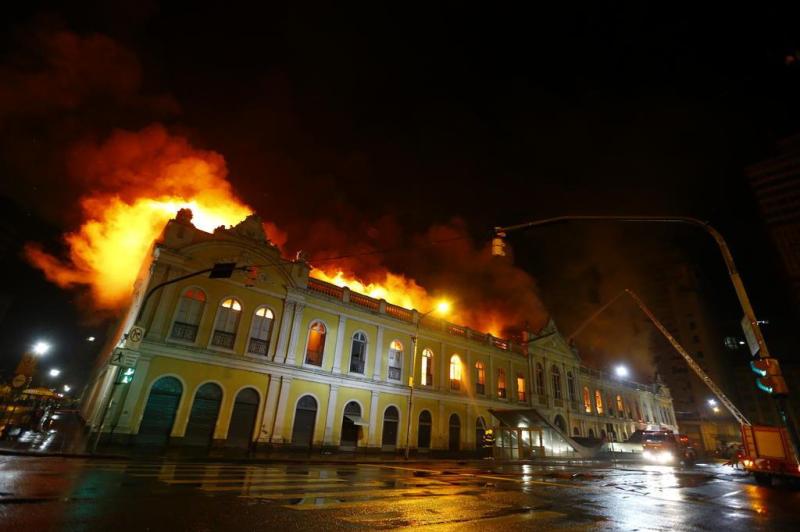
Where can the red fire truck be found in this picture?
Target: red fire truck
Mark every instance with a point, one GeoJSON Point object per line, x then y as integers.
{"type": "Point", "coordinates": [767, 454]}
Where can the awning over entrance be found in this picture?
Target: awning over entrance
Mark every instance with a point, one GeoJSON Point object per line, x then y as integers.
{"type": "Point", "coordinates": [358, 420]}
{"type": "Point", "coordinates": [520, 418]}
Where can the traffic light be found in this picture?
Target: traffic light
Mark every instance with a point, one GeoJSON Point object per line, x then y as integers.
{"type": "Point", "coordinates": [127, 375]}
{"type": "Point", "coordinates": [222, 270]}
{"type": "Point", "coordinates": [770, 379]}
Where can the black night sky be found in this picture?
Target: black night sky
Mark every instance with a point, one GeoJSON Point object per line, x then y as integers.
{"type": "Point", "coordinates": [387, 120]}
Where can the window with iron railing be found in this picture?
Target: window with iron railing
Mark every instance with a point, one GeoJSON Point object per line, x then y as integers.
{"type": "Point", "coordinates": [260, 331]}
{"type": "Point", "coordinates": [257, 346]}
{"type": "Point", "coordinates": [395, 360]}
{"type": "Point", "coordinates": [226, 324]}
{"type": "Point", "coordinates": [184, 331]}
{"type": "Point", "coordinates": [358, 353]}
{"type": "Point", "coordinates": [223, 339]}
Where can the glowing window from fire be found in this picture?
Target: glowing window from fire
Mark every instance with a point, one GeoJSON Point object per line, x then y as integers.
{"type": "Point", "coordinates": [316, 343]}
{"type": "Point", "coordinates": [587, 400]}
{"type": "Point", "coordinates": [520, 387]}
{"type": "Point", "coordinates": [396, 354]}
{"type": "Point", "coordinates": [190, 308]}
{"type": "Point", "coordinates": [620, 406]}
{"type": "Point", "coordinates": [598, 399]}
{"type": "Point", "coordinates": [455, 369]}
{"type": "Point", "coordinates": [426, 378]}
{"type": "Point", "coordinates": [481, 372]}
{"type": "Point", "coordinates": [232, 304]}
{"type": "Point", "coordinates": [501, 382]}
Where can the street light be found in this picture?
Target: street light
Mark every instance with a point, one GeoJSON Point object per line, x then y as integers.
{"type": "Point", "coordinates": [90, 338]}
{"type": "Point", "coordinates": [442, 307]}
{"type": "Point", "coordinates": [621, 371]}
{"type": "Point", "coordinates": [55, 372]}
{"type": "Point", "coordinates": [40, 348]}
{"type": "Point", "coordinates": [712, 402]}
{"type": "Point", "coordinates": [67, 388]}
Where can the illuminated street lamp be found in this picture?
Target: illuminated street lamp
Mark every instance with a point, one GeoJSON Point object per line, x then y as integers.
{"type": "Point", "coordinates": [712, 402]}
{"type": "Point", "coordinates": [40, 348]}
{"type": "Point", "coordinates": [55, 372]}
{"type": "Point", "coordinates": [442, 307]}
{"type": "Point", "coordinates": [90, 339]}
{"type": "Point", "coordinates": [621, 371]}
{"type": "Point", "coordinates": [67, 388]}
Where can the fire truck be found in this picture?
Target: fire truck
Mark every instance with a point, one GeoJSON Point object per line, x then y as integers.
{"type": "Point", "coordinates": [666, 447]}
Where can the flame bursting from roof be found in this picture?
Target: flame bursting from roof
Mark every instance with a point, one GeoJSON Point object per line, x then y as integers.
{"type": "Point", "coordinates": [138, 182]}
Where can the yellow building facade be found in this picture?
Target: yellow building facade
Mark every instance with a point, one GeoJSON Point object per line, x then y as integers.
{"type": "Point", "coordinates": [272, 358]}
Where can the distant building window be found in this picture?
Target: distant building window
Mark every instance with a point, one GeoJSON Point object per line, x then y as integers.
{"type": "Point", "coordinates": [521, 395]}
{"type": "Point", "coordinates": [480, 378]}
{"type": "Point", "coordinates": [315, 347]}
{"type": "Point", "coordinates": [501, 383]}
{"type": "Point", "coordinates": [227, 323]}
{"type": "Point", "coordinates": [571, 385]}
{"type": "Point", "coordinates": [358, 353]}
{"type": "Point", "coordinates": [426, 376]}
{"type": "Point", "coordinates": [455, 373]}
{"type": "Point", "coordinates": [598, 401]}
{"type": "Point", "coordinates": [260, 331]}
{"type": "Point", "coordinates": [620, 406]}
{"type": "Point", "coordinates": [556, 375]}
{"type": "Point", "coordinates": [587, 400]}
{"type": "Point", "coordinates": [395, 360]}
{"type": "Point", "coordinates": [539, 379]}
{"type": "Point", "coordinates": [190, 311]}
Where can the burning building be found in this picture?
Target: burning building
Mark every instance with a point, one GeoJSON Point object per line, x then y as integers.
{"type": "Point", "coordinates": [270, 356]}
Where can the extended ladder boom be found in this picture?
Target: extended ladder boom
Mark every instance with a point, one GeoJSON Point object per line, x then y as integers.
{"type": "Point", "coordinates": [689, 360]}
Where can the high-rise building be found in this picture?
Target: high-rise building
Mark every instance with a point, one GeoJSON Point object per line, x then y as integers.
{"type": "Point", "coordinates": [776, 186]}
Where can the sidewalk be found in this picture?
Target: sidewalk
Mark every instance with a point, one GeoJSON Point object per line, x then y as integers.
{"type": "Point", "coordinates": [67, 439]}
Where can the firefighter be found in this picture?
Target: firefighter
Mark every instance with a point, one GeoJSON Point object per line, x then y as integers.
{"type": "Point", "coordinates": [488, 443]}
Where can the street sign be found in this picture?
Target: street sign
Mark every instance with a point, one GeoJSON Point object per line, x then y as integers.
{"type": "Point", "coordinates": [124, 357]}
{"type": "Point", "coordinates": [134, 338]}
{"type": "Point", "coordinates": [750, 336]}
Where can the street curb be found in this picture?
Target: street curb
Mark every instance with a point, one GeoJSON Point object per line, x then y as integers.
{"type": "Point", "coordinates": [38, 454]}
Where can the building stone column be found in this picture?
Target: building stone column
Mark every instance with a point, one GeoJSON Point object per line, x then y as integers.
{"type": "Point", "coordinates": [298, 319]}
{"type": "Point", "coordinates": [283, 333]}
{"type": "Point", "coordinates": [373, 421]}
{"type": "Point", "coordinates": [337, 352]}
{"type": "Point", "coordinates": [330, 415]}
{"type": "Point", "coordinates": [280, 415]}
{"type": "Point", "coordinates": [376, 373]}
{"type": "Point", "coordinates": [268, 418]}
{"type": "Point", "coordinates": [444, 374]}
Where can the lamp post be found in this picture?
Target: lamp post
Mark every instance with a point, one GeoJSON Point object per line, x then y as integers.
{"type": "Point", "coordinates": [744, 300]}
{"type": "Point", "coordinates": [442, 307]}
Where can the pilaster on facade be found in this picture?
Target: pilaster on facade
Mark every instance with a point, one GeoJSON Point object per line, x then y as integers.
{"type": "Point", "coordinates": [280, 416]}
{"type": "Point", "coordinates": [337, 353]}
{"type": "Point", "coordinates": [270, 408]}
{"type": "Point", "coordinates": [330, 416]}
{"type": "Point", "coordinates": [377, 366]}
{"type": "Point", "coordinates": [373, 420]}
{"type": "Point", "coordinates": [282, 346]}
{"type": "Point", "coordinates": [295, 335]}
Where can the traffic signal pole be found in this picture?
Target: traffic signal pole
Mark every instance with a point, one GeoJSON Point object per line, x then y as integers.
{"type": "Point", "coordinates": [733, 273]}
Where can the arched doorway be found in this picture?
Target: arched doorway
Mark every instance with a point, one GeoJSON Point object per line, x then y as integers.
{"type": "Point", "coordinates": [424, 431]}
{"type": "Point", "coordinates": [203, 417]}
{"type": "Point", "coordinates": [480, 431]}
{"type": "Point", "coordinates": [159, 412]}
{"type": "Point", "coordinates": [602, 434]}
{"type": "Point", "coordinates": [576, 431]}
{"type": "Point", "coordinates": [560, 423]}
{"type": "Point", "coordinates": [352, 415]}
{"type": "Point", "coordinates": [391, 420]}
{"type": "Point", "coordinates": [243, 418]}
{"type": "Point", "coordinates": [455, 433]}
{"type": "Point", "coordinates": [591, 433]}
{"type": "Point", "coordinates": [305, 416]}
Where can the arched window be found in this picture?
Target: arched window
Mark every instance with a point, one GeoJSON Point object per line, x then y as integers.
{"type": "Point", "coordinates": [261, 331]}
{"type": "Point", "coordinates": [521, 395]}
{"type": "Point", "coordinates": [305, 417]}
{"type": "Point", "coordinates": [424, 430]}
{"type": "Point", "coordinates": [598, 400]}
{"type": "Point", "coordinates": [556, 374]}
{"type": "Point", "coordinates": [315, 347]}
{"type": "Point", "coordinates": [480, 378]}
{"type": "Point", "coordinates": [587, 400]}
{"type": "Point", "coordinates": [454, 440]}
{"type": "Point", "coordinates": [426, 371]}
{"type": "Point", "coordinates": [227, 323]}
{"type": "Point", "coordinates": [539, 379]}
{"type": "Point", "coordinates": [391, 420]}
{"type": "Point", "coordinates": [571, 385]}
{"type": "Point", "coordinates": [455, 373]}
{"type": "Point", "coordinates": [591, 433]}
{"type": "Point", "coordinates": [187, 319]}
{"type": "Point", "coordinates": [358, 353]}
{"type": "Point", "coordinates": [620, 406]}
{"type": "Point", "coordinates": [395, 360]}
{"type": "Point", "coordinates": [501, 383]}
{"type": "Point", "coordinates": [351, 426]}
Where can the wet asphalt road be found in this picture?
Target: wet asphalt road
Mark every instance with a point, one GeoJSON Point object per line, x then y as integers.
{"type": "Point", "coordinates": [77, 494]}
